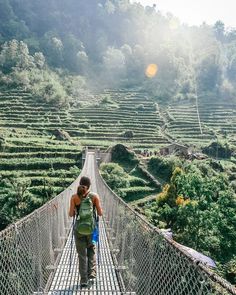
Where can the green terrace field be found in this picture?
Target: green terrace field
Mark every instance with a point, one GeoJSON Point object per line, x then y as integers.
{"type": "Point", "coordinates": [124, 111]}
{"type": "Point", "coordinates": [41, 144]}
{"type": "Point", "coordinates": [31, 150]}
{"type": "Point", "coordinates": [34, 165]}
{"type": "Point", "coordinates": [217, 118]}
{"type": "Point", "coordinates": [101, 125]}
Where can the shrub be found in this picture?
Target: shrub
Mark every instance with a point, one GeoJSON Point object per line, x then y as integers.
{"type": "Point", "coordinates": [128, 134]}
{"type": "Point", "coordinates": [163, 167]}
{"type": "Point", "coordinates": [84, 125]}
{"type": "Point", "coordinates": [106, 99]}
{"type": "Point", "coordinates": [219, 149]}
{"type": "Point", "coordinates": [140, 107]}
{"type": "Point", "coordinates": [121, 154]}
{"type": "Point", "coordinates": [115, 177]}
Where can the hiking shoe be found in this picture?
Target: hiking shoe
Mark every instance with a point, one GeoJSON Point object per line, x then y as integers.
{"type": "Point", "coordinates": [92, 277]}
{"type": "Point", "coordinates": [83, 285]}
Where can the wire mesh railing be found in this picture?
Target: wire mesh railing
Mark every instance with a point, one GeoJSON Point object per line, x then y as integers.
{"type": "Point", "coordinates": [30, 248]}
{"type": "Point", "coordinates": [148, 262]}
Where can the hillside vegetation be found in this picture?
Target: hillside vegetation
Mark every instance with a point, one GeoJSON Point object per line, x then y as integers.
{"type": "Point", "coordinates": [35, 165]}
{"type": "Point", "coordinates": [104, 73]}
{"type": "Point", "coordinates": [217, 118]}
{"type": "Point", "coordinates": [41, 143]}
{"type": "Point", "coordinates": [197, 200]}
{"type": "Point", "coordinates": [111, 43]}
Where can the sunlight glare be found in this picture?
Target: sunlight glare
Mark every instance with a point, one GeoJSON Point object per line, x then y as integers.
{"type": "Point", "coordinates": [151, 70]}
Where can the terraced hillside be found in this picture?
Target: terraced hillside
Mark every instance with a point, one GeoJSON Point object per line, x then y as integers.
{"type": "Point", "coordinates": [28, 128]}
{"type": "Point", "coordinates": [34, 166]}
{"type": "Point", "coordinates": [216, 117]}
{"type": "Point", "coordinates": [102, 124]}
{"type": "Point", "coordinates": [110, 121]}
{"type": "Point", "coordinates": [40, 145]}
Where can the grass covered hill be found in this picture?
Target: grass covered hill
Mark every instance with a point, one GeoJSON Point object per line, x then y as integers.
{"type": "Point", "coordinates": [114, 116]}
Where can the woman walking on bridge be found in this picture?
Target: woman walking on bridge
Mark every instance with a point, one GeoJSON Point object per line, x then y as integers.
{"type": "Point", "coordinates": [85, 207]}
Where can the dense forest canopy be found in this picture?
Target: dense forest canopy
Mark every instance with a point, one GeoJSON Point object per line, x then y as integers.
{"type": "Point", "coordinates": [111, 43]}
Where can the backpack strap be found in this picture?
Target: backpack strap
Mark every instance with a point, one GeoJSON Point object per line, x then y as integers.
{"type": "Point", "coordinates": [91, 195]}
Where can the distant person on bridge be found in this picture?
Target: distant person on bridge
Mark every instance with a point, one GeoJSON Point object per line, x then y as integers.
{"type": "Point", "coordinates": [85, 207]}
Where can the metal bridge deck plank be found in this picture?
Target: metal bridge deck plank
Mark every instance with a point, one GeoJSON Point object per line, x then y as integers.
{"type": "Point", "coordinates": [66, 279]}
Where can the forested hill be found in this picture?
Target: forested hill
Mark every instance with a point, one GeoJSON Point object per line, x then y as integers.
{"type": "Point", "coordinates": [111, 43]}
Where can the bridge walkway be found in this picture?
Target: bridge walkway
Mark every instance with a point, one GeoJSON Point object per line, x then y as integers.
{"type": "Point", "coordinates": [66, 279]}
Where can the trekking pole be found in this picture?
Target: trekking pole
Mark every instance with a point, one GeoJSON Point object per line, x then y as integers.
{"type": "Point", "coordinates": [71, 243]}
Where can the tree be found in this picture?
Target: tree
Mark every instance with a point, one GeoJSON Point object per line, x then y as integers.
{"type": "Point", "coordinates": [6, 12]}
{"type": "Point", "coordinates": [113, 66]}
{"type": "Point", "coordinates": [15, 55]}
{"type": "Point", "coordinates": [72, 46]}
{"type": "Point", "coordinates": [219, 30]}
{"type": "Point", "coordinates": [200, 210]}
{"type": "Point", "coordinates": [53, 49]}
{"type": "Point", "coordinates": [115, 177]}
{"type": "Point", "coordinates": [219, 148]}
{"type": "Point", "coordinates": [39, 60]}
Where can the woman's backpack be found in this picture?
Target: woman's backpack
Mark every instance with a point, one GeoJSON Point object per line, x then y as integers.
{"type": "Point", "coordinates": [86, 216]}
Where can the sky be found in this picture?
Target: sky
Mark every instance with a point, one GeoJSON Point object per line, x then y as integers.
{"type": "Point", "coordinates": [195, 12]}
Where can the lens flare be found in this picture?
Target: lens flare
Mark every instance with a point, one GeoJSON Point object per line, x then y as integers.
{"type": "Point", "coordinates": [151, 70]}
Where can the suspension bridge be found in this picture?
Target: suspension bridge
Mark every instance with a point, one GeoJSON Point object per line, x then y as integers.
{"type": "Point", "coordinates": [37, 253]}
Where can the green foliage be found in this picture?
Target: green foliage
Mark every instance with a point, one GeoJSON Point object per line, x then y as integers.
{"type": "Point", "coordinates": [75, 171]}
{"type": "Point", "coordinates": [128, 134]}
{"type": "Point", "coordinates": [15, 55]}
{"type": "Point", "coordinates": [115, 177]}
{"type": "Point", "coordinates": [190, 60]}
{"type": "Point", "coordinates": [137, 192]}
{"type": "Point", "coordinates": [47, 87]}
{"type": "Point", "coordinates": [110, 44]}
{"type": "Point", "coordinates": [108, 103]}
{"type": "Point", "coordinates": [140, 107]}
{"type": "Point", "coordinates": [75, 87]}
{"type": "Point", "coordinates": [219, 148]}
{"type": "Point", "coordinates": [36, 163]}
{"type": "Point", "coordinates": [200, 209]}
{"type": "Point", "coordinates": [163, 167]}
{"type": "Point", "coordinates": [122, 154]}
{"type": "Point", "coordinates": [20, 69]}
{"type": "Point", "coordinates": [17, 201]}
{"type": "Point", "coordinates": [22, 192]}
{"type": "Point", "coordinates": [137, 181]}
